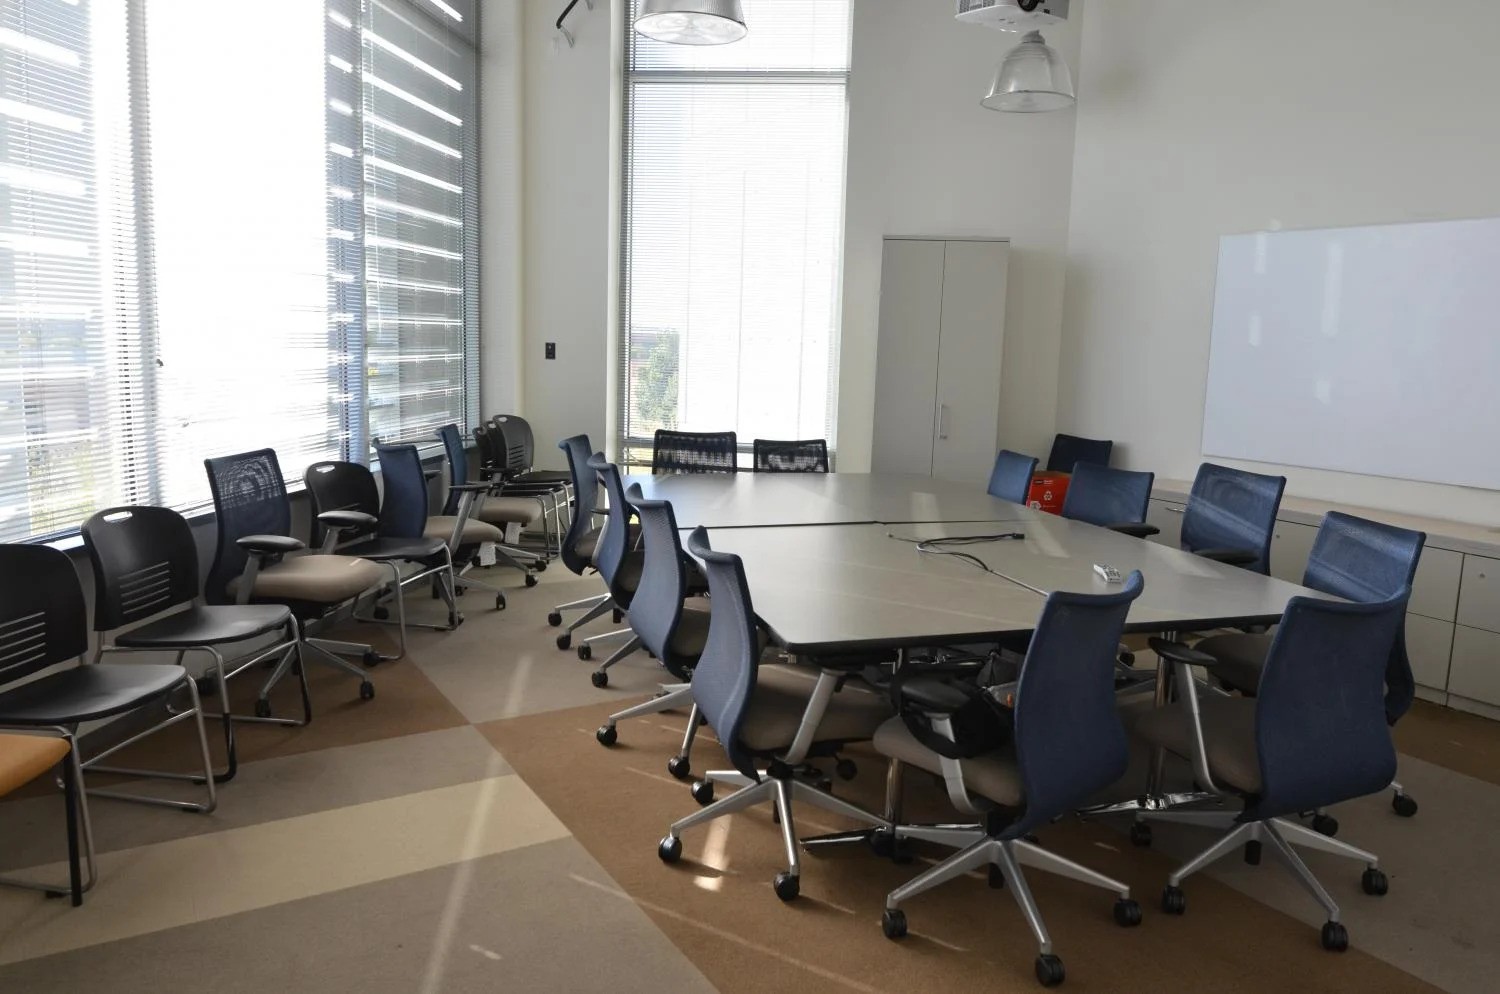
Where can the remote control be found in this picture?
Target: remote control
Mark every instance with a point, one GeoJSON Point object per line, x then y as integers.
{"type": "Point", "coordinates": [1108, 573]}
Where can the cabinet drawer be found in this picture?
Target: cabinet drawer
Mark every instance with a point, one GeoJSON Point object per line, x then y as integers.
{"type": "Point", "coordinates": [1475, 672]}
{"type": "Point", "coordinates": [1434, 590]}
{"type": "Point", "coordinates": [1479, 594]}
{"type": "Point", "coordinates": [1291, 544]}
{"type": "Point", "coordinates": [1166, 515]}
{"type": "Point", "coordinates": [1429, 643]}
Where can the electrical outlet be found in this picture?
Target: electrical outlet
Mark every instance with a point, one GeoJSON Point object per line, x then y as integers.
{"type": "Point", "coordinates": [551, 350]}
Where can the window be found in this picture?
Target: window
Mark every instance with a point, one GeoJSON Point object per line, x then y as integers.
{"type": "Point", "coordinates": [732, 228]}
{"type": "Point", "coordinates": [195, 262]}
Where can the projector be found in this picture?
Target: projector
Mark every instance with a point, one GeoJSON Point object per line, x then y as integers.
{"type": "Point", "coordinates": [1013, 15]}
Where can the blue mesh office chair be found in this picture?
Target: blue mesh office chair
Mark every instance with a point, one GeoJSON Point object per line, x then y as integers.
{"type": "Point", "coordinates": [694, 452]}
{"type": "Point", "coordinates": [1231, 515]}
{"type": "Point", "coordinates": [1069, 450]}
{"type": "Point", "coordinates": [802, 456]}
{"type": "Point", "coordinates": [1011, 478]}
{"type": "Point", "coordinates": [1068, 744]}
{"type": "Point", "coordinates": [1315, 735]}
{"type": "Point", "coordinates": [1110, 498]}
{"type": "Point", "coordinates": [578, 544]}
{"type": "Point", "coordinates": [619, 561]}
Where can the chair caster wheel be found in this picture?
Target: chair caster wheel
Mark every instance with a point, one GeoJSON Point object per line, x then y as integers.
{"type": "Point", "coordinates": [1403, 805]}
{"type": "Point", "coordinates": [565, 640]}
{"type": "Point", "coordinates": [846, 769]}
{"type": "Point", "coordinates": [599, 678]}
{"type": "Point", "coordinates": [1049, 970]}
{"type": "Point", "coordinates": [531, 580]}
{"type": "Point", "coordinates": [1252, 852]}
{"type": "Point", "coordinates": [367, 691]}
{"type": "Point", "coordinates": [370, 658]}
{"type": "Point", "coordinates": [554, 619]}
{"type": "Point", "coordinates": [1173, 900]}
{"type": "Point", "coordinates": [617, 615]}
{"type": "Point", "coordinates": [1325, 825]}
{"type": "Point", "coordinates": [541, 566]}
{"type": "Point", "coordinates": [787, 886]}
{"type": "Point", "coordinates": [997, 877]}
{"type": "Point", "coordinates": [1140, 834]}
{"type": "Point", "coordinates": [703, 793]}
{"type": "Point", "coordinates": [1335, 937]}
{"type": "Point", "coordinates": [499, 602]}
{"type": "Point", "coordinates": [607, 735]}
{"type": "Point", "coordinates": [585, 652]}
{"type": "Point", "coordinates": [669, 849]}
{"type": "Point", "coordinates": [893, 923]}
{"type": "Point", "coordinates": [262, 708]}
{"type": "Point", "coordinates": [454, 619]}
{"type": "Point", "coordinates": [1127, 913]}
{"type": "Point", "coordinates": [1374, 882]}
{"type": "Point", "coordinates": [381, 614]}
{"type": "Point", "coordinates": [679, 767]}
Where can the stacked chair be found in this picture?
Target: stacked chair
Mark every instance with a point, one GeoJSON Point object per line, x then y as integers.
{"type": "Point", "coordinates": [579, 544]}
{"type": "Point", "coordinates": [619, 561]}
{"type": "Point", "coordinates": [484, 513]}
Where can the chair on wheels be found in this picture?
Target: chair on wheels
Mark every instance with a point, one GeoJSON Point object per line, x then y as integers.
{"type": "Point", "coordinates": [1111, 498]}
{"type": "Point", "coordinates": [619, 561]}
{"type": "Point", "coordinates": [1315, 735]}
{"type": "Point", "coordinates": [694, 452]}
{"type": "Point", "coordinates": [507, 467]}
{"type": "Point", "coordinates": [803, 456]}
{"type": "Point", "coordinates": [1358, 560]}
{"type": "Point", "coordinates": [1231, 515]}
{"type": "Point", "coordinates": [24, 757]}
{"type": "Point", "coordinates": [556, 485]}
{"type": "Point", "coordinates": [257, 561]}
{"type": "Point", "coordinates": [1011, 477]}
{"type": "Point", "coordinates": [783, 714]}
{"type": "Point", "coordinates": [146, 563]}
{"type": "Point", "coordinates": [1070, 450]}
{"type": "Point", "coordinates": [1067, 744]}
{"type": "Point", "coordinates": [488, 507]}
{"type": "Point", "coordinates": [583, 536]}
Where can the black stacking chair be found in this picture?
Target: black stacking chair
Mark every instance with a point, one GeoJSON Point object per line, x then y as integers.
{"type": "Point", "coordinates": [582, 537]}
{"type": "Point", "coordinates": [26, 757]}
{"type": "Point", "coordinates": [44, 622]}
{"type": "Point", "coordinates": [619, 561]}
{"type": "Point", "coordinates": [1011, 477]}
{"type": "Point", "coordinates": [257, 560]}
{"type": "Point", "coordinates": [522, 463]}
{"type": "Point", "coordinates": [758, 711]}
{"type": "Point", "coordinates": [1111, 498]}
{"type": "Point", "coordinates": [348, 519]}
{"type": "Point", "coordinates": [1314, 735]}
{"type": "Point", "coordinates": [1070, 450]}
{"type": "Point", "coordinates": [1231, 515]}
{"type": "Point", "coordinates": [504, 465]}
{"type": "Point", "coordinates": [1358, 560]}
{"type": "Point", "coordinates": [694, 452]}
{"type": "Point", "coordinates": [804, 456]}
{"type": "Point", "coordinates": [145, 564]}
{"type": "Point", "coordinates": [1067, 744]}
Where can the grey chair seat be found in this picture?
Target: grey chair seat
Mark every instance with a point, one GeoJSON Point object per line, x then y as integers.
{"type": "Point", "coordinates": [508, 510]}
{"type": "Point", "coordinates": [1228, 735]}
{"type": "Point", "coordinates": [88, 693]}
{"type": "Point", "coordinates": [780, 700]}
{"type": "Point", "coordinates": [314, 579]}
{"type": "Point", "coordinates": [386, 549]}
{"type": "Point", "coordinates": [586, 544]}
{"type": "Point", "coordinates": [993, 775]}
{"type": "Point", "coordinates": [209, 624]}
{"type": "Point", "coordinates": [1243, 657]}
{"type": "Point", "coordinates": [440, 526]}
{"type": "Point", "coordinates": [544, 476]}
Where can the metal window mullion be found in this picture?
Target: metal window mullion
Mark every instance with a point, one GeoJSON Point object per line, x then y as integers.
{"type": "Point", "coordinates": [142, 470]}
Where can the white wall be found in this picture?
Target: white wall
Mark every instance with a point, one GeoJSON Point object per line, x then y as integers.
{"type": "Point", "coordinates": [1201, 118]}
{"type": "Point", "coordinates": [926, 159]}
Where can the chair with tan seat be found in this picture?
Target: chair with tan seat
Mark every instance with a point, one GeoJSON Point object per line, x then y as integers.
{"type": "Point", "coordinates": [25, 757]}
{"type": "Point", "coordinates": [582, 539]}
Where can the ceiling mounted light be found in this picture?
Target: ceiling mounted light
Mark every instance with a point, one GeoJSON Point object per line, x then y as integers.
{"type": "Point", "coordinates": [692, 22]}
{"type": "Point", "coordinates": [1033, 78]}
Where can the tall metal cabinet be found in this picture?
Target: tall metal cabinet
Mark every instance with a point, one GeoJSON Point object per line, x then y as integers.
{"type": "Point", "coordinates": [937, 382]}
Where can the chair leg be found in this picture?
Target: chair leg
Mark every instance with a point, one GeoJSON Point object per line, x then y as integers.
{"type": "Point", "coordinates": [70, 803]}
{"type": "Point", "coordinates": [980, 853]}
{"type": "Point", "coordinates": [597, 606]}
{"type": "Point", "coordinates": [738, 801]}
{"type": "Point", "coordinates": [625, 650]}
{"type": "Point", "coordinates": [1016, 880]}
{"type": "Point", "coordinates": [207, 778]}
{"type": "Point", "coordinates": [80, 833]}
{"type": "Point", "coordinates": [782, 792]}
{"type": "Point", "coordinates": [1305, 877]}
{"type": "Point", "coordinates": [618, 633]}
{"type": "Point", "coordinates": [1244, 833]}
{"type": "Point", "coordinates": [675, 698]}
{"type": "Point", "coordinates": [1028, 854]}
{"type": "Point", "coordinates": [1301, 835]}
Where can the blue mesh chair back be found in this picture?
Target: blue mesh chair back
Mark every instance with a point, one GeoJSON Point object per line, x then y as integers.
{"type": "Point", "coordinates": [1104, 496]}
{"type": "Point", "coordinates": [578, 451]}
{"type": "Point", "coordinates": [694, 452]}
{"type": "Point", "coordinates": [458, 464]}
{"type": "Point", "coordinates": [341, 486]}
{"type": "Point", "coordinates": [656, 609]}
{"type": "Point", "coordinates": [403, 511]}
{"type": "Point", "coordinates": [724, 679]}
{"type": "Point", "coordinates": [1368, 561]}
{"type": "Point", "coordinates": [1069, 740]}
{"type": "Point", "coordinates": [1070, 450]}
{"type": "Point", "coordinates": [1233, 509]}
{"type": "Point", "coordinates": [43, 618]}
{"type": "Point", "coordinates": [250, 498]}
{"type": "Point", "coordinates": [145, 561]}
{"type": "Point", "coordinates": [808, 455]}
{"type": "Point", "coordinates": [1011, 478]}
{"type": "Point", "coordinates": [1320, 726]}
{"type": "Point", "coordinates": [613, 542]}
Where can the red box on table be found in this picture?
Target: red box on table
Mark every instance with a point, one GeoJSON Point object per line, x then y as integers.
{"type": "Point", "coordinates": [1047, 491]}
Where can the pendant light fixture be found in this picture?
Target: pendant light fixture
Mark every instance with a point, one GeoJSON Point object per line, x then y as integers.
{"type": "Point", "coordinates": [692, 22]}
{"type": "Point", "coordinates": [1032, 79]}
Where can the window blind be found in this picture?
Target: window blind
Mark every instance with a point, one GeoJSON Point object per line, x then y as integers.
{"type": "Point", "coordinates": [733, 227]}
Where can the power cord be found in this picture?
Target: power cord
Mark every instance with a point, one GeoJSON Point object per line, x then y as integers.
{"type": "Point", "coordinates": [937, 546]}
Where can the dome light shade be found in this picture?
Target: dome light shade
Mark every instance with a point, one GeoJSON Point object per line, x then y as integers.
{"type": "Point", "coordinates": [1033, 78]}
{"type": "Point", "coordinates": [692, 22]}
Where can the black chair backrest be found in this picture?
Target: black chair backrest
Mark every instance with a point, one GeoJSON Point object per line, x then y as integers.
{"type": "Point", "coordinates": [145, 561]}
{"type": "Point", "coordinates": [341, 486]}
{"type": "Point", "coordinates": [1011, 478]}
{"type": "Point", "coordinates": [510, 445]}
{"type": "Point", "coordinates": [1069, 740]}
{"type": "Point", "coordinates": [1070, 450]}
{"type": "Point", "coordinates": [1320, 726]}
{"type": "Point", "coordinates": [656, 609]}
{"type": "Point", "coordinates": [250, 498]}
{"type": "Point", "coordinates": [519, 429]}
{"type": "Point", "coordinates": [609, 551]}
{"type": "Point", "coordinates": [694, 452]}
{"type": "Point", "coordinates": [809, 455]}
{"type": "Point", "coordinates": [1104, 496]}
{"type": "Point", "coordinates": [724, 679]}
{"type": "Point", "coordinates": [43, 618]}
{"type": "Point", "coordinates": [1364, 560]}
{"type": "Point", "coordinates": [1233, 509]}
{"type": "Point", "coordinates": [458, 465]}
{"type": "Point", "coordinates": [585, 497]}
{"type": "Point", "coordinates": [491, 449]}
{"type": "Point", "coordinates": [403, 511]}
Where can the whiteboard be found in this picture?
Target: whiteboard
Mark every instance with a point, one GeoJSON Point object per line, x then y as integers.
{"type": "Point", "coordinates": [1370, 350]}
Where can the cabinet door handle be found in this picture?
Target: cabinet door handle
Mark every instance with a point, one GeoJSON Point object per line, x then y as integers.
{"type": "Point", "coordinates": [942, 421]}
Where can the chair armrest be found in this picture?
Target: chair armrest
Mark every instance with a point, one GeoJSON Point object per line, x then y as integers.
{"type": "Point", "coordinates": [933, 695]}
{"type": "Point", "coordinates": [266, 545]}
{"type": "Point", "coordinates": [1179, 653]}
{"type": "Point", "coordinates": [926, 674]}
{"type": "Point", "coordinates": [1231, 557]}
{"type": "Point", "coordinates": [1137, 529]}
{"type": "Point", "coordinates": [348, 519]}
